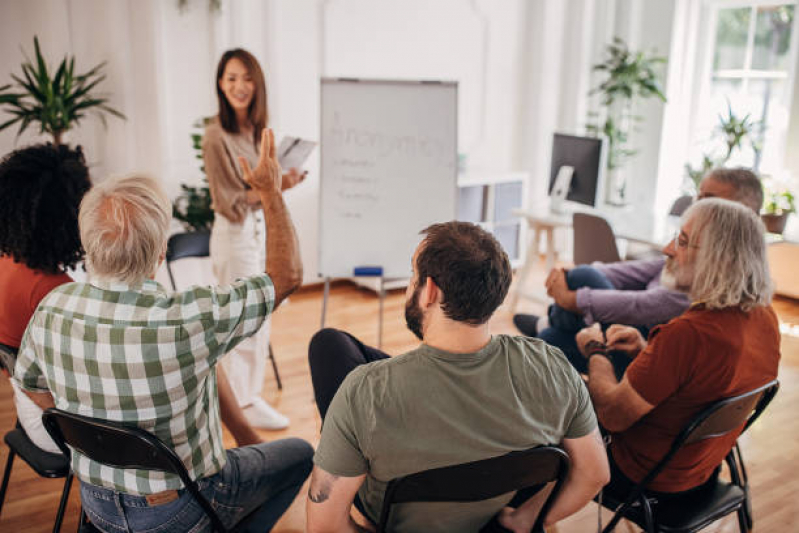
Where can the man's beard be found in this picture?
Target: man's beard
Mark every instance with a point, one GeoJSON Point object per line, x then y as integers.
{"type": "Point", "coordinates": [670, 277]}
{"type": "Point", "coordinates": [413, 315]}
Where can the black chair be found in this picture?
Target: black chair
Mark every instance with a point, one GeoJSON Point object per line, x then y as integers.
{"type": "Point", "coordinates": [46, 464]}
{"type": "Point", "coordinates": [481, 480]}
{"type": "Point", "coordinates": [717, 420]}
{"type": "Point", "coordinates": [120, 446]}
{"type": "Point", "coordinates": [197, 244]}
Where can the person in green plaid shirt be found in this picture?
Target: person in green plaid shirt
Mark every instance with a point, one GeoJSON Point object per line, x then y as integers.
{"type": "Point", "coordinates": [122, 348]}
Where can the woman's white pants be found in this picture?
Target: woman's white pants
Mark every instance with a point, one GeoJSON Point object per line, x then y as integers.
{"type": "Point", "coordinates": [239, 251]}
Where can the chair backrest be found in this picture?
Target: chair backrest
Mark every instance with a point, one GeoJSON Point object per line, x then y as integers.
{"type": "Point", "coordinates": [182, 245]}
{"type": "Point", "coordinates": [720, 418]}
{"type": "Point", "coordinates": [593, 240]}
{"type": "Point", "coordinates": [120, 446]}
{"type": "Point", "coordinates": [680, 205]}
{"type": "Point", "coordinates": [193, 244]}
{"type": "Point", "coordinates": [481, 480]}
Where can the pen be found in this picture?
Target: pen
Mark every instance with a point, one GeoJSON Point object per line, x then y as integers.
{"type": "Point", "coordinates": [291, 147]}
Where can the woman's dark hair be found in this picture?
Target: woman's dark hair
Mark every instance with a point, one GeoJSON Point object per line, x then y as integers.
{"type": "Point", "coordinates": [469, 266]}
{"type": "Point", "coordinates": [258, 112]}
{"type": "Point", "coordinates": [41, 187]}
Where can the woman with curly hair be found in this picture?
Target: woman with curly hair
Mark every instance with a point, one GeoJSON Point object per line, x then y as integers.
{"type": "Point", "coordinates": [41, 187]}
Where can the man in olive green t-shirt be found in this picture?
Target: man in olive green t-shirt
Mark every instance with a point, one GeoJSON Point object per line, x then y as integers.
{"type": "Point", "coordinates": [462, 396]}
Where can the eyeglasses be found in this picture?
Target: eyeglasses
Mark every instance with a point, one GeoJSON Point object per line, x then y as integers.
{"type": "Point", "coordinates": [682, 240]}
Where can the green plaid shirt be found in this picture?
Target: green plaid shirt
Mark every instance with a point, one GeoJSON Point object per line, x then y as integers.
{"type": "Point", "coordinates": [138, 355]}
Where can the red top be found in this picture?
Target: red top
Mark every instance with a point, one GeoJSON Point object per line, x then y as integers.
{"type": "Point", "coordinates": [699, 357]}
{"type": "Point", "coordinates": [21, 290]}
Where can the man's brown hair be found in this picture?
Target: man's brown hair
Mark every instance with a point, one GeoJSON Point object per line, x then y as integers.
{"type": "Point", "coordinates": [469, 266]}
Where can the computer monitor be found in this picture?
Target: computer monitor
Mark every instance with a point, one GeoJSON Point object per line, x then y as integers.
{"type": "Point", "coordinates": [577, 171]}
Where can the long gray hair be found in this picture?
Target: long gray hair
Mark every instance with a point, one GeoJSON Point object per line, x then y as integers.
{"type": "Point", "coordinates": [731, 268]}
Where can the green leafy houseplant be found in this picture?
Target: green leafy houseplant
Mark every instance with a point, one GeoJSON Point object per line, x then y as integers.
{"type": "Point", "coordinates": [630, 76]}
{"type": "Point", "coordinates": [193, 207]}
{"type": "Point", "coordinates": [56, 103]}
{"type": "Point", "coordinates": [779, 202]}
{"type": "Point", "coordinates": [736, 132]}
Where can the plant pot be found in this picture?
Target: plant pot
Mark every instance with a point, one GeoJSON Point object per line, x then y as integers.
{"type": "Point", "coordinates": [775, 223]}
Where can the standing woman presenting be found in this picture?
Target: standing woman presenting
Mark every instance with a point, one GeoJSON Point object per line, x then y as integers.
{"type": "Point", "coordinates": [237, 243]}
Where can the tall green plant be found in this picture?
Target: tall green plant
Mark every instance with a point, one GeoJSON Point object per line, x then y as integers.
{"type": "Point", "coordinates": [630, 76]}
{"type": "Point", "coordinates": [56, 103]}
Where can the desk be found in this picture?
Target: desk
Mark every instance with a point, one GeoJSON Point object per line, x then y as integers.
{"type": "Point", "coordinates": [627, 224]}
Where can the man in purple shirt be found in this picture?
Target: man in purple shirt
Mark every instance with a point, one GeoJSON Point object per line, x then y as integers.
{"type": "Point", "coordinates": [628, 292]}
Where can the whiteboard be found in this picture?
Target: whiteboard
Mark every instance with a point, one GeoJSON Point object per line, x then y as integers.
{"type": "Point", "coordinates": [388, 170]}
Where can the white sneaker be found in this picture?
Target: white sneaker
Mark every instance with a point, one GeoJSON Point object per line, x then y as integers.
{"type": "Point", "coordinates": [262, 415]}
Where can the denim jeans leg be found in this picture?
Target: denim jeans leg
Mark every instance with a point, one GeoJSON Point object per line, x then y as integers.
{"type": "Point", "coordinates": [263, 480]}
{"type": "Point", "coordinates": [565, 341]}
{"type": "Point", "coordinates": [578, 277]}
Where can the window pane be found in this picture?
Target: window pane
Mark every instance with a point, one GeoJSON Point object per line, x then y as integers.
{"type": "Point", "coordinates": [765, 100]}
{"type": "Point", "coordinates": [731, 33]}
{"type": "Point", "coordinates": [772, 37]}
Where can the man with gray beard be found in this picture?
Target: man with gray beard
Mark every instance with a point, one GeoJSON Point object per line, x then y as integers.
{"type": "Point", "coordinates": [625, 292]}
{"type": "Point", "coordinates": [725, 344]}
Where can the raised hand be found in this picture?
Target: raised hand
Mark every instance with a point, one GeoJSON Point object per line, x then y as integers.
{"type": "Point", "coordinates": [266, 176]}
{"type": "Point", "coordinates": [625, 339]}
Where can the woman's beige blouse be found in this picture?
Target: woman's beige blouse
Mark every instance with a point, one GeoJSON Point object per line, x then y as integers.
{"type": "Point", "coordinates": [221, 151]}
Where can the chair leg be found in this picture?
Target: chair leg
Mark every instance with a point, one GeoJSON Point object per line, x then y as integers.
{"type": "Point", "coordinates": [274, 367]}
{"type": "Point", "coordinates": [59, 517]}
{"type": "Point", "coordinates": [6, 477]}
{"type": "Point", "coordinates": [743, 520]}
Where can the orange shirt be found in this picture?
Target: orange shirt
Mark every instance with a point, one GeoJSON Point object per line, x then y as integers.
{"type": "Point", "coordinates": [21, 290]}
{"type": "Point", "coordinates": [697, 358]}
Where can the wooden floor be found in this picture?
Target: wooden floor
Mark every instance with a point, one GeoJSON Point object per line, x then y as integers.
{"type": "Point", "coordinates": [771, 447]}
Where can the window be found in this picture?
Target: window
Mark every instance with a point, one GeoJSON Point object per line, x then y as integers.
{"type": "Point", "coordinates": [749, 74]}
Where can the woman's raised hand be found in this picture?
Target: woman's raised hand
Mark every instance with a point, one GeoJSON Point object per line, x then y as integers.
{"type": "Point", "coordinates": [266, 176]}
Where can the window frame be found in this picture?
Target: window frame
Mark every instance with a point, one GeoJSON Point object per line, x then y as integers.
{"type": "Point", "coordinates": [705, 72]}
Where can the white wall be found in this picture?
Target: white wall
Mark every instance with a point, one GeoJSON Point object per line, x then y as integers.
{"type": "Point", "coordinates": [523, 68]}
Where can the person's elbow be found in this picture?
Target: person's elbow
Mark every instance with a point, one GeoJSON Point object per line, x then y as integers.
{"type": "Point", "coordinates": [600, 474]}
{"type": "Point", "coordinates": [613, 419]}
{"type": "Point", "coordinates": [317, 522]}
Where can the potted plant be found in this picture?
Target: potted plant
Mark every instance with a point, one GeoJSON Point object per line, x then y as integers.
{"type": "Point", "coordinates": [56, 103]}
{"type": "Point", "coordinates": [631, 76]}
{"type": "Point", "coordinates": [735, 132]}
{"type": "Point", "coordinates": [193, 207]}
{"type": "Point", "coordinates": [779, 202]}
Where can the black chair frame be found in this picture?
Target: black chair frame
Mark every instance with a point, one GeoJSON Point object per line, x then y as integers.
{"type": "Point", "coordinates": [121, 446]}
{"type": "Point", "coordinates": [198, 244]}
{"type": "Point", "coordinates": [45, 464]}
{"type": "Point", "coordinates": [481, 480]}
{"type": "Point", "coordinates": [720, 418]}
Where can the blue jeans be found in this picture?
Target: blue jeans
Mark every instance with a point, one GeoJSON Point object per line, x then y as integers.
{"type": "Point", "coordinates": [564, 325]}
{"type": "Point", "coordinates": [262, 479]}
